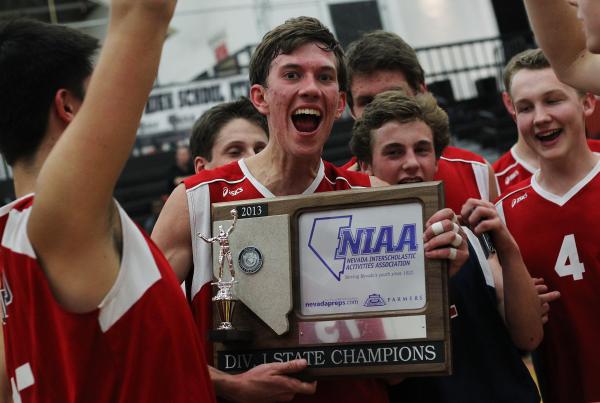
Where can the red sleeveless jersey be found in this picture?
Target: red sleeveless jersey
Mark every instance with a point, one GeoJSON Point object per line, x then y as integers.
{"type": "Point", "coordinates": [465, 175]}
{"type": "Point", "coordinates": [511, 169]}
{"type": "Point", "coordinates": [235, 182]}
{"type": "Point", "coordinates": [558, 238]}
{"type": "Point", "coordinates": [139, 345]}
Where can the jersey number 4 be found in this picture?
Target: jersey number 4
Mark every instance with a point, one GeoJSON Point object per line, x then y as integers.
{"type": "Point", "coordinates": [568, 263]}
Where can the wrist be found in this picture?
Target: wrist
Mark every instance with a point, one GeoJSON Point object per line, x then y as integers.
{"type": "Point", "coordinates": [503, 241]}
{"type": "Point", "coordinates": [226, 385]}
{"type": "Point", "coordinates": [508, 251]}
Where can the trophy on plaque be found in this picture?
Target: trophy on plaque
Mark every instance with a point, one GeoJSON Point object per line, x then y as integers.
{"type": "Point", "coordinates": [225, 299]}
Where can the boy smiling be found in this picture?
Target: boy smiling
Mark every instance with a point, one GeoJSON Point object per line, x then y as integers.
{"type": "Point", "coordinates": [298, 81]}
{"type": "Point", "coordinates": [553, 219]}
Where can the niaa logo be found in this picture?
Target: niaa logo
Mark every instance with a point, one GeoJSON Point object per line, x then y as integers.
{"type": "Point", "coordinates": [359, 241]}
{"type": "Point", "coordinates": [363, 241]}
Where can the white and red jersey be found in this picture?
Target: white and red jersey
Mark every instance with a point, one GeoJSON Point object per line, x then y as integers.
{"type": "Point", "coordinates": [465, 175]}
{"type": "Point", "coordinates": [511, 169]}
{"type": "Point", "coordinates": [139, 345]}
{"type": "Point", "coordinates": [559, 240]}
{"type": "Point", "coordinates": [235, 182]}
{"type": "Point", "coordinates": [351, 165]}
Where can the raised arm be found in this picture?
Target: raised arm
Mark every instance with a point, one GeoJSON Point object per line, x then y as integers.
{"type": "Point", "coordinates": [561, 36]}
{"type": "Point", "coordinates": [74, 225]}
{"type": "Point", "coordinates": [521, 304]}
{"type": "Point", "coordinates": [207, 240]}
{"type": "Point", "coordinates": [235, 218]}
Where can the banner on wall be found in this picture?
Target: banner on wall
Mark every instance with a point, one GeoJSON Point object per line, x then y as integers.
{"type": "Point", "coordinates": [176, 108]}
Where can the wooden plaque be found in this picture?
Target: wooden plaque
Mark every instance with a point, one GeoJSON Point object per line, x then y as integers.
{"type": "Point", "coordinates": [338, 278]}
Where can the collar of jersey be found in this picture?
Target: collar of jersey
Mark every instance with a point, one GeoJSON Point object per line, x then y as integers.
{"type": "Point", "coordinates": [267, 193]}
{"type": "Point", "coordinates": [521, 161]}
{"type": "Point", "coordinates": [562, 200]}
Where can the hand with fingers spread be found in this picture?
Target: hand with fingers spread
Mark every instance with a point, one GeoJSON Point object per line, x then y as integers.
{"type": "Point", "coordinates": [545, 296]}
{"type": "Point", "coordinates": [264, 383]}
{"type": "Point", "coordinates": [445, 239]}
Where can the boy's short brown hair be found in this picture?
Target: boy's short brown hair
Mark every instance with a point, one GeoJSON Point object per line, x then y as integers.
{"type": "Point", "coordinates": [397, 106]}
{"type": "Point", "coordinates": [531, 59]}
{"type": "Point", "coordinates": [289, 36]}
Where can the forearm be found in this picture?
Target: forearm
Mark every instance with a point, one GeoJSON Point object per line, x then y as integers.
{"type": "Point", "coordinates": [522, 310]}
{"type": "Point", "coordinates": [264, 383]}
{"type": "Point", "coordinates": [93, 146]}
{"type": "Point", "coordinates": [561, 36]}
{"type": "Point", "coordinates": [521, 303]}
{"type": "Point", "coordinates": [557, 30]}
{"type": "Point", "coordinates": [225, 384]}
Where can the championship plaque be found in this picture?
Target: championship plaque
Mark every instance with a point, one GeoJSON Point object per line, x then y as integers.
{"type": "Point", "coordinates": [337, 278]}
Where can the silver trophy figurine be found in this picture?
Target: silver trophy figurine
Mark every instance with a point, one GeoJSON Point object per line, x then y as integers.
{"type": "Point", "coordinates": [225, 298]}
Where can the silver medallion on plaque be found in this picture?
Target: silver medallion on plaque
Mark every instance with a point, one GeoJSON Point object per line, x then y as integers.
{"type": "Point", "coordinates": [250, 260]}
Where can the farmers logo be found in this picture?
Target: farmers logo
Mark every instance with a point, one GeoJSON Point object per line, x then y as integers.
{"type": "Point", "coordinates": [374, 300]}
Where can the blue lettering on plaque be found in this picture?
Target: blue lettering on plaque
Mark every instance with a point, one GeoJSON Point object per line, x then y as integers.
{"type": "Point", "coordinates": [355, 243]}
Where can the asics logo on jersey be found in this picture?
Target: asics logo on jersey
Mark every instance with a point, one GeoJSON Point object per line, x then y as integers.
{"type": "Point", "coordinates": [235, 192]}
{"type": "Point", "coordinates": [518, 200]}
{"type": "Point", "coordinates": [511, 177]}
